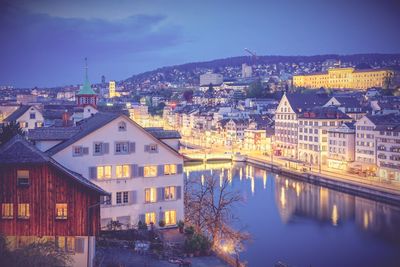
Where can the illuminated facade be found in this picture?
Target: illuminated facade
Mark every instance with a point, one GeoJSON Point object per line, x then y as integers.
{"type": "Point", "coordinates": [111, 89]}
{"type": "Point", "coordinates": [348, 78]}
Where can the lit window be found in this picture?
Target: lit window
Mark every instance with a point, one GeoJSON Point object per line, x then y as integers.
{"type": "Point", "coordinates": [122, 148]}
{"type": "Point", "coordinates": [23, 177]}
{"type": "Point", "coordinates": [150, 171]}
{"type": "Point", "coordinates": [170, 217]}
{"type": "Point", "coordinates": [150, 217]}
{"type": "Point", "coordinates": [65, 243]}
{"type": "Point", "coordinates": [122, 171]}
{"type": "Point", "coordinates": [104, 172]}
{"type": "Point", "coordinates": [7, 210]}
{"type": "Point", "coordinates": [23, 211]}
{"type": "Point", "coordinates": [169, 193]}
{"type": "Point", "coordinates": [61, 211]}
{"type": "Point", "coordinates": [169, 169]}
{"type": "Point", "coordinates": [150, 195]}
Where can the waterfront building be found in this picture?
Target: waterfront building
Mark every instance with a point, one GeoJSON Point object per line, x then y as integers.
{"type": "Point", "coordinates": [211, 78]}
{"type": "Point", "coordinates": [341, 146]}
{"type": "Point", "coordinates": [313, 127]}
{"type": "Point", "coordinates": [348, 78]}
{"type": "Point", "coordinates": [142, 173]}
{"type": "Point", "coordinates": [139, 114]}
{"type": "Point", "coordinates": [286, 124]}
{"type": "Point", "coordinates": [28, 117]}
{"type": "Point", "coordinates": [41, 200]}
{"type": "Point", "coordinates": [388, 147]}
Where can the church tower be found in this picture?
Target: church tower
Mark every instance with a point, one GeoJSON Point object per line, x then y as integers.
{"type": "Point", "coordinates": [86, 96]}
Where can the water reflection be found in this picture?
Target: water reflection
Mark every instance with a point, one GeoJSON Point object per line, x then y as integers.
{"type": "Point", "coordinates": [295, 199]}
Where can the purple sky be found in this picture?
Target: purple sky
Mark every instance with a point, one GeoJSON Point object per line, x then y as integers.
{"type": "Point", "coordinates": [43, 43]}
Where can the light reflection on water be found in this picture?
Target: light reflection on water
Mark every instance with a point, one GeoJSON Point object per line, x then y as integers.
{"type": "Point", "coordinates": [303, 224]}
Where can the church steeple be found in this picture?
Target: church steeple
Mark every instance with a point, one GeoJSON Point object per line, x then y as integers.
{"type": "Point", "coordinates": [86, 95]}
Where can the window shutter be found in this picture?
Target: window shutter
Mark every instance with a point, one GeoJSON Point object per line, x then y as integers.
{"type": "Point", "coordinates": [79, 245]}
{"type": "Point", "coordinates": [142, 218]}
{"type": "Point", "coordinates": [141, 171]}
{"type": "Point", "coordinates": [92, 172]}
{"type": "Point", "coordinates": [134, 170]}
{"type": "Point", "coordinates": [178, 192]}
{"type": "Point", "coordinates": [105, 148]}
{"type": "Point", "coordinates": [160, 171]}
{"type": "Point", "coordinates": [133, 199]}
{"type": "Point", "coordinates": [85, 150]}
{"type": "Point", "coordinates": [146, 148]}
{"type": "Point", "coordinates": [132, 147]}
{"type": "Point", "coordinates": [180, 168]}
{"type": "Point", "coordinates": [160, 194]}
{"type": "Point", "coordinates": [161, 215]}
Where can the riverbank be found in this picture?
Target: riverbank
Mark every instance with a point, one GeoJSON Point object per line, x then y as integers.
{"type": "Point", "coordinates": [368, 189]}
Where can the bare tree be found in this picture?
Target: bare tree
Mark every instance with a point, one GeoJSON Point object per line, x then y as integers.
{"type": "Point", "coordinates": [209, 203]}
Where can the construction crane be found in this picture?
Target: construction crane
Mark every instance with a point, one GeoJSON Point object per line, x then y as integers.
{"type": "Point", "coordinates": [253, 55]}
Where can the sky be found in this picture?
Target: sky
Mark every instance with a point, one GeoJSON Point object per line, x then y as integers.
{"type": "Point", "coordinates": [44, 42]}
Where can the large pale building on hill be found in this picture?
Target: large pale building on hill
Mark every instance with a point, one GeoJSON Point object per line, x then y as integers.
{"type": "Point", "coordinates": [348, 78]}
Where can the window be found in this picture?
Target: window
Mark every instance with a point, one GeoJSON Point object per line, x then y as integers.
{"type": "Point", "coordinates": [61, 211]}
{"type": "Point", "coordinates": [150, 217]}
{"type": "Point", "coordinates": [67, 244]}
{"type": "Point", "coordinates": [150, 195]}
{"type": "Point", "coordinates": [150, 171]}
{"type": "Point", "coordinates": [122, 126]}
{"type": "Point", "coordinates": [32, 115]}
{"type": "Point", "coordinates": [153, 148]}
{"type": "Point", "coordinates": [23, 211]}
{"type": "Point", "coordinates": [7, 210]}
{"type": "Point", "coordinates": [169, 193]}
{"type": "Point", "coordinates": [104, 172]}
{"type": "Point", "coordinates": [169, 169]}
{"type": "Point", "coordinates": [97, 148]}
{"type": "Point", "coordinates": [122, 197]}
{"type": "Point", "coordinates": [121, 147]}
{"type": "Point", "coordinates": [79, 151]}
{"type": "Point", "coordinates": [170, 217]}
{"type": "Point", "coordinates": [122, 171]}
{"type": "Point", "coordinates": [22, 177]}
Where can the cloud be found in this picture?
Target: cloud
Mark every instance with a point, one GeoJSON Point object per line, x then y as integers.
{"type": "Point", "coordinates": [32, 41]}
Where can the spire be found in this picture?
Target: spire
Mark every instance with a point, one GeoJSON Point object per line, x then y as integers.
{"type": "Point", "coordinates": [86, 70]}
{"type": "Point", "coordinates": [86, 89]}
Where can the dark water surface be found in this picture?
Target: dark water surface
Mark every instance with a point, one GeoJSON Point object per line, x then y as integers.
{"type": "Point", "coordinates": [302, 224]}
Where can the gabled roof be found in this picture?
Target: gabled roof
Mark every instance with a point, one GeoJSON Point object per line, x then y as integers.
{"type": "Point", "coordinates": [52, 133]}
{"type": "Point", "coordinates": [17, 113]}
{"type": "Point", "coordinates": [86, 127]}
{"type": "Point", "coordinates": [160, 133]}
{"type": "Point", "coordinates": [300, 102]}
{"type": "Point", "coordinates": [324, 113]}
{"type": "Point", "coordinates": [389, 122]}
{"type": "Point", "coordinates": [94, 123]}
{"type": "Point", "coordinates": [19, 151]}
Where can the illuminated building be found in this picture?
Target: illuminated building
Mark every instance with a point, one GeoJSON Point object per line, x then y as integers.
{"type": "Point", "coordinates": [341, 146]}
{"type": "Point", "coordinates": [313, 126]}
{"type": "Point", "coordinates": [349, 78]}
{"type": "Point", "coordinates": [111, 90]}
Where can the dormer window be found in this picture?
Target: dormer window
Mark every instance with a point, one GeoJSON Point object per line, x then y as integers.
{"type": "Point", "coordinates": [122, 126]}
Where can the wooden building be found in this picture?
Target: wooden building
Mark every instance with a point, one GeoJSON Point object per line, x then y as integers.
{"type": "Point", "coordinates": [41, 199]}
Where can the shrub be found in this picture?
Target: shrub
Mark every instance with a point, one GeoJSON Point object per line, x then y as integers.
{"type": "Point", "coordinates": [161, 223]}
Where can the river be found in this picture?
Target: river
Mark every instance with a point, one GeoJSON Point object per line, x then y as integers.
{"type": "Point", "coordinates": [302, 224]}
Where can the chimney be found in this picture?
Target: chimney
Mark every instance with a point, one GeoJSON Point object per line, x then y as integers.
{"type": "Point", "coordinates": [65, 118]}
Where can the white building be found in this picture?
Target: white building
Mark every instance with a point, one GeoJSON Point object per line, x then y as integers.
{"type": "Point", "coordinates": [28, 117]}
{"type": "Point", "coordinates": [286, 124]}
{"type": "Point", "coordinates": [313, 127]}
{"type": "Point", "coordinates": [142, 173]}
{"type": "Point", "coordinates": [341, 146]}
{"type": "Point", "coordinates": [365, 143]}
{"type": "Point", "coordinates": [247, 71]}
{"type": "Point", "coordinates": [211, 78]}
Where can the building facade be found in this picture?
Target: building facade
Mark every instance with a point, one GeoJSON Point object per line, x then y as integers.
{"type": "Point", "coordinates": [348, 78]}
